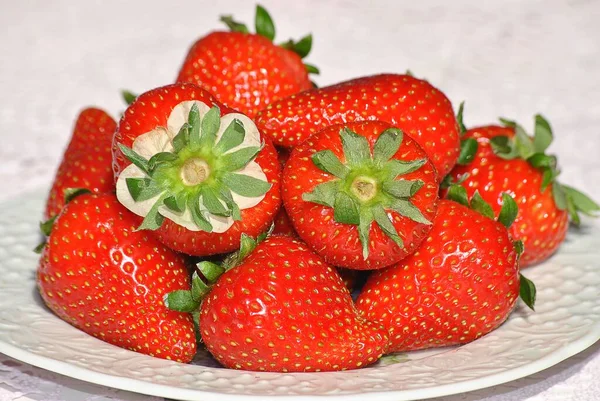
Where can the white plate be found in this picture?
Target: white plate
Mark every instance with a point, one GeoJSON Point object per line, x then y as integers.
{"type": "Point", "coordinates": [567, 321]}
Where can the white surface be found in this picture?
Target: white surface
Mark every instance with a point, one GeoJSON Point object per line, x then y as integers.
{"type": "Point", "coordinates": [511, 58]}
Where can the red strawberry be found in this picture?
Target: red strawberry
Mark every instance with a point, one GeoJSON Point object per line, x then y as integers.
{"type": "Point", "coordinates": [508, 160]}
{"type": "Point", "coordinates": [282, 309]}
{"type": "Point", "coordinates": [282, 224]}
{"type": "Point", "coordinates": [199, 173]}
{"type": "Point", "coordinates": [248, 71]}
{"type": "Point", "coordinates": [462, 282]}
{"type": "Point", "coordinates": [411, 104]}
{"type": "Point", "coordinates": [343, 179]}
{"type": "Point", "coordinates": [87, 160]}
{"type": "Point", "coordinates": [107, 279]}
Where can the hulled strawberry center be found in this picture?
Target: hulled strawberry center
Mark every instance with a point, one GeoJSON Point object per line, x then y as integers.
{"type": "Point", "coordinates": [364, 188]}
{"type": "Point", "coordinates": [368, 185]}
{"type": "Point", "coordinates": [194, 172]}
{"type": "Point", "coordinates": [200, 171]}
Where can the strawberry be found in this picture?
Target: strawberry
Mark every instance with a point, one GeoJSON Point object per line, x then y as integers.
{"type": "Point", "coordinates": [411, 104]}
{"type": "Point", "coordinates": [248, 71]}
{"type": "Point", "coordinates": [107, 279]}
{"type": "Point", "coordinates": [462, 282]}
{"type": "Point", "coordinates": [197, 172]}
{"type": "Point", "coordinates": [280, 309]}
{"type": "Point", "coordinates": [283, 225]}
{"type": "Point", "coordinates": [344, 178]}
{"type": "Point", "coordinates": [509, 160]}
{"type": "Point", "coordinates": [87, 160]}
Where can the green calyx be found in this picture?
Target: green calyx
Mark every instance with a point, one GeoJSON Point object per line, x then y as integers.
{"type": "Point", "coordinates": [368, 186]}
{"type": "Point", "coordinates": [532, 149]}
{"type": "Point", "coordinates": [508, 212]}
{"type": "Point", "coordinates": [468, 146]}
{"type": "Point", "coordinates": [206, 275]}
{"type": "Point", "coordinates": [199, 175]}
{"type": "Point", "coordinates": [265, 27]}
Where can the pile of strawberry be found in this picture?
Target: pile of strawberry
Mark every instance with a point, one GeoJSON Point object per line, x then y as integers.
{"type": "Point", "coordinates": [239, 207]}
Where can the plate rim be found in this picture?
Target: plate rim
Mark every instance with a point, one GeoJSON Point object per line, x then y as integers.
{"type": "Point", "coordinates": [166, 391]}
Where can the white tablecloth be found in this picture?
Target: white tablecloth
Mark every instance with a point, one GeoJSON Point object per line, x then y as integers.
{"type": "Point", "coordinates": [512, 58]}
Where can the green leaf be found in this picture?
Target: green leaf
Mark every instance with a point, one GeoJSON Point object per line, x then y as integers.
{"type": "Point", "coordinates": [581, 201]}
{"type": "Point", "coordinates": [128, 96]}
{"type": "Point", "coordinates": [507, 123]}
{"type": "Point", "coordinates": [142, 189]}
{"type": "Point", "coordinates": [233, 136]}
{"type": "Point", "coordinates": [134, 158]}
{"type": "Point", "coordinates": [239, 159]}
{"type": "Point", "coordinates": [458, 194]}
{"type": "Point", "coordinates": [459, 119]}
{"type": "Point", "coordinates": [572, 211]}
{"type": "Point", "coordinates": [210, 270]}
{"type": "Point", "coordinates": [160, 158]}
{"type": "Point", "coordinates": [245, 185]}
{"type": "Point", "coordinates": [40, 247]}
{"type": "Point", "coordinates": [182, 138]}
{"type": "Point", "coordinates": [364, 229]}
{"type": "Point", "coordinates": [541, 160]}
{"type": "Point", "coordinates": [301, 48]}
{"type": "Point", "coordinates": [225, 194]}
{"type": "Point", "coordinates": [468, 150]}
{"type": "Point", "coordinates": [387, 145]}
{"type": "Point", "coordinates": [233, 25]}
{"type": "Point", "coordinates": [345, 209]}
{"type": "Point", "coordinates": [181, 301]}
{"type": "Point", "coordinates": [212, 202]}
{"type": "Point", "coordinates": [402, 188]}
{"type": "Point", "coordinates": [197, 216]}
{"type": "Point", "coordinates": [508, 212]}
{"type": "Point", "coordinates": [210, 126]}
{"type": "Point", "coordinates": [323, 194]}
{"type": "Point", "coordinates": [264, 23]}
{"type": "Point", "coordinates": [153, 220]}
{"type": "Point", "coordinates": [395, 168]}
{"type": "Point", "coordinates": [519, 247]}
{"type": "Point", "coordinates": [247, 245]}
{"type": "Point", "coordinates": [194, 130]}
{"type": "Point", "coordinates": [46, 226]}
{"type": "Point", "coordinates": [523, 143]}
{"type": "Point", "coordinates": [327, 161]}
{"type": "Point", "coordinates": [409, 73]}
{"type": "Point", "coordinates": [502, 146]}
{"type": "Point", "coordinates": [527, 291]}
{"type": "Point", "coordinates": [199, 287]}
{"type": "Point", "coordinates": [481, 206]}
{"type": "Point", "coordinates": [175, 203]}
{"type": "Point", "coordinates": [542, 137]}
{"type": "Point", "coordinates": [304, 46]}
{"type": "Point", "coordinates": [405, 208]}
{"type": "Point", "coordinates": [71, 193]}
{"type": "Point", "coordinates": [356, 148]}
{"type": "Point", "coordinates": [311, 69]}
{"type": "Point", "coordinates": [383, 221]}
{"type": "Point", "coordinates": [560, 198]}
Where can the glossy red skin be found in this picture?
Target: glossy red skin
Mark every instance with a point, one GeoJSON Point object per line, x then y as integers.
{"type": "Point", "coordinates": [108, 280]}
{"type": "Point", "coordinates": [244, 71]}
{"type": "Point", "coordinates": [411, 104]}
{"type": "Point", "coordinates": [152, 109]}
{"type": "Point", "coordinates": [282, 225]}
{"type": "Point", "coordinates": [540, 224]}
{"type": "Point", "coordinates": [86, 162]}
{"type": "Point", "coordinates": [339, 243]}
{"type": "Point", "coordinates": [283, 309]}
{"type": "Point", "coordinates": [462, 283]}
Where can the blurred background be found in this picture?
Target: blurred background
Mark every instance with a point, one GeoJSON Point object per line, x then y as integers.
{"type": "Point", "coordinates": [511, 58]}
